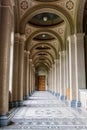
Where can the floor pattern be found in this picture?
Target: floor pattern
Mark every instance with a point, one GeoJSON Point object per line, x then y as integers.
{"type": "Point", "coordinates": [43, 111]}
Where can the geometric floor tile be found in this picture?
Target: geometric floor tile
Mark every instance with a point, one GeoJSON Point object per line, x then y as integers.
{"type": "Point", "coordinates": [43, 111]}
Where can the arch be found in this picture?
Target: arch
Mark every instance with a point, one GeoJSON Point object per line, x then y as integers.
{"type": "Point", "coordinates": [50, 8]}
{"type": "Point", "coordinates": [46, 44]}
{"type": "Point", "coordinates": [38, 59]}
{"type": "Point", "coordinates": [40, 31]}
{"type": "Point", "coordinates": [79, 16]}
{"type": "Point", "coordinates": [44, 52]}
{"type": "Point", "coordinates": [46, 63]}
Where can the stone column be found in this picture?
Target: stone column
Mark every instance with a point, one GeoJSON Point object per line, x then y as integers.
{"type": "Point", "coordinates": [49, 80]}
{"type": "Point", "coordinates": [15, 70]}
{"type": "Point", "coordinates": [53, 79]}
{"type": "Point", "coordinates": [5, 35]}
{"type": "Point", "coordinates": [80, 66]}
{"type": "Point", "coordinates": [20, 70]}
{"type": "Point", "coordinates": [72, 70]}
{"type": "Point", "coordinates": [26, 75]}
{"type": "Point", "coordinates": [55, 69]}
{"type": "Point", "coordinates": [30, 76]}
{"type": "Point", "coordinates": [67, 75]}
{"type": "Point", "coordinates": [61, 75]}
{"type": "Point", "coordinates": [58, 77]}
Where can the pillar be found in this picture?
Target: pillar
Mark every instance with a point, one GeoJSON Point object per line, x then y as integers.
{"type": "Point", "coordinates": [67, 74]}
{"type": "Point", "coordinates": [53, 78]}
{"type": "Point", "coordinates": [20, 70]}
{"type": "Point", "coordinates": [30, 75]}
{"type": "Point", "coordinates": [61, 53]}
{"type": "Point", "coordinates": [80, 66]}
{"type": "Point", "coordinates": [5, 34]}
{"type": "Point", "coordinates": [26, 75]}
{"type": "Point", "coordinates": [15, 70]}
{"type": "Point", "coordinates": [55, 69]}
{"type": "Point", "coordinates": [58, 77]}
{"type": "Point", "coordinates": [72, 70]}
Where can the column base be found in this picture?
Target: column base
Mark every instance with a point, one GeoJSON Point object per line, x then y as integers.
{"type": "Point", "coordinates": [20, 103]}
{"type": "Point", "coordinates": [65, 97]}
{"type": "Point", "coordinates": [72, 103]}
{"type": "Point", "coordinates": [10, 105]}
{"type": "Point", "coordinates": [61, 97]}
{"type": "Point", "coordinates": [54, 93]}
{"type": "Point", "coordinates": [3, 120]}
{"type": "Point", "coordinates": [26, 97]}
{"type": "Point", "coordinates": [78, 104]}
{"type": "Point", "coordinates": [13, 104]}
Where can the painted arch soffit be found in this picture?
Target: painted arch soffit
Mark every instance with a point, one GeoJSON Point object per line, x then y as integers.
{"type": "Point", "coordinates": [54, 8]}
{"type": "Point", "coordinates": [47, 31]}
{"type": "Point", "coordinates": [60, 30]}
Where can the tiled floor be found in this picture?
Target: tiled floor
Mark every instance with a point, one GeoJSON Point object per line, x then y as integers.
{"type": "Point", "coordinates": [43, 111]}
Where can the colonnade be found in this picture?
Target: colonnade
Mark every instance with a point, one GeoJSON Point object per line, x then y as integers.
{"type": "Point", "coordinates": [23, 76]}
{"type": "Point", "coordinates": [69, 76]}
{"type": "Point", "coordinates": [66, 75]}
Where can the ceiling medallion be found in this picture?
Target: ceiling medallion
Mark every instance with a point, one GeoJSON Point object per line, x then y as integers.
{"type": "Point", "coordinates": [43, 35]}
{"type": "Point", "coordinates": [24, 5]}
{"type": "Point", "coordinates": [45, 18]}
{"type": "Point", "coordinates": [69, 5]}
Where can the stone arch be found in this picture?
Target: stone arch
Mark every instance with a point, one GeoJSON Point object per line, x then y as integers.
{"type": "Point", "coordinates": [44, 8]}
{"type": "Point", "coordinates": [79, 16]}
{"type": "Point", "coordinates": [47, 64]}
{"type": "Point", "coordinates": [48, 60]}
{"type": "Point", "coordinates": [44, 52]}
{"type": "Point", "coordinates": [47, 44]}
{"type": "Point", "coordinates": [40, 31]}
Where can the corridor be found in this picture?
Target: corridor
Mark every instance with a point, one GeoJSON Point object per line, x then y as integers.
{"type": "Point", "coordinates": [43, 111]}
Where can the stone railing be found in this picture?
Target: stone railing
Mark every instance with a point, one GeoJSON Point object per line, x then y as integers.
{"type": "Point", "coordinates": [83, 98]}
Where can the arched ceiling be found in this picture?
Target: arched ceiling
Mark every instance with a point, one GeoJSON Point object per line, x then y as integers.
{"type": "Point", "coordinates": [46, 25]}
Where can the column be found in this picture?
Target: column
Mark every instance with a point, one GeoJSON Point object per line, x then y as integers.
{"type": "Point", "coordinates": [80, 66]}
{"type": "Point", "coordinates": [15, 70]}
{"type": "Point", "coordinates": [5, 34]}
{"type": "Point", "coordinates": [65, 77]}
{"type": "Point", "coordinates": [52, 79]}
{"type": "Point", "coordinates": [67, 74]}
{"type": "Point", "coordinates": [26, 75]}
{"type": "Point", "coordinates": [58, 77]}
{"type": "Point", "coordinates": [30, 85]}
{"type": "Point", "coordinates": [20, 70]}
{"type": "Point", "coordinates": [72, 70]}
{"type": "Point", "coordinates": [55, 69]}
{"type": "Point", "coordinates": [29, 78]}
{"type": "Point", "coordinates": [61, 75]}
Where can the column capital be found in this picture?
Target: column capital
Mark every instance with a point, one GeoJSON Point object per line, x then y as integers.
{"type": "Point", "coordinates": [27, 52]}
{"type": "Point", "coordinates": [30, 60]}
{"type": "Point", "coordinates": [79, 36]}
{"type": "Point", "coordinates": [22, 39]}
{"type": "Point", "coordinates": [62, 53]}
{"type": "Point", "coordinates": [16, 37]}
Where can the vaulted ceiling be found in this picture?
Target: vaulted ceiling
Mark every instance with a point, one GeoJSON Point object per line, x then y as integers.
{"type": "Point", "coordinates": [46, 25]}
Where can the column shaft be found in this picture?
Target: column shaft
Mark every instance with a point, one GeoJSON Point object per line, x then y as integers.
{"type": "Point", "coordinates": [5, 33]}
{"type": "Point", "coordinates": [15, 70]}
{"type": "Point", "coordinates": [20, 70]}
{"type": "Point", "coordinates": [72, 70]}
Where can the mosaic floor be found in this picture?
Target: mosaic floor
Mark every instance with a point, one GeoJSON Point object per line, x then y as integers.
{"type": "Point", "coordinates": [43, 111]}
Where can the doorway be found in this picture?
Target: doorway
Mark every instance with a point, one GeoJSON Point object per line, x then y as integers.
{"type": "Point", "coordinates": [41, 83]}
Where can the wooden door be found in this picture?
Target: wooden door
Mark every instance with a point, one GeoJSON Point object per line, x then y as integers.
{"type": "Point", "coordinates": [41, 83]}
